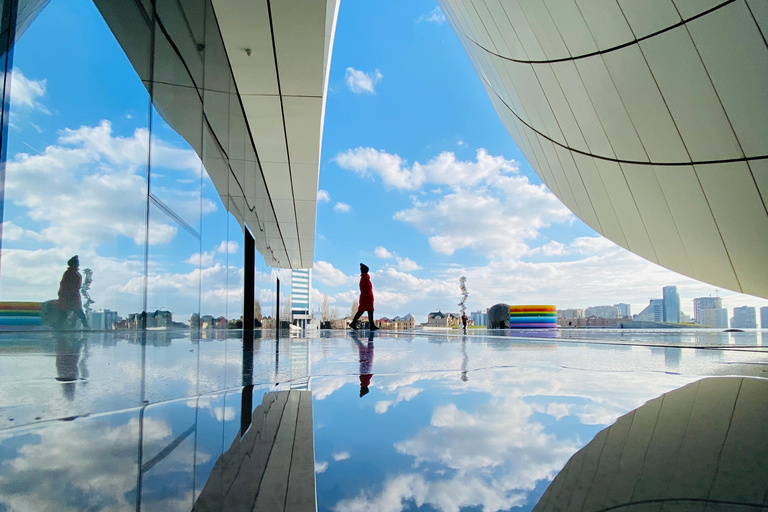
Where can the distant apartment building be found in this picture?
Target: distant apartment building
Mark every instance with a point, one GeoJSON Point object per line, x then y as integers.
{"type": "Point", "coordinates": [764, 318]}
{"type": "Point", "coordinates": [671, 304]}
{"type": "Point", "coordinates": [602, 312]}
{"type": "Point", "coordinates": [744, 318]}
{"type": "Point", "coordinates": [702, 303]}
{"type": "Point", "coordinates": [625, 310]}
{"type": "Point", "coordinates": [103, 320]}
{"type": "Point", "coordinates": [479, 318]}
{"type": "Point", "coordinates": [301, 289]}
{"type": "Point", "coordinates": [654, 312]}
{"type": "Point", "coordinates": [713, 317]}
{"type": "Point", "coordinates": [440, 319]}
{"type": "Point", "coordinates": [570, 314]}
{"type": "Point", "coordinates": [398, 322]}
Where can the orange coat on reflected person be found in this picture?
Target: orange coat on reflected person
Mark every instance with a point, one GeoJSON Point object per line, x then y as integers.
{"type": "Point", "coordinates": [366, 293]}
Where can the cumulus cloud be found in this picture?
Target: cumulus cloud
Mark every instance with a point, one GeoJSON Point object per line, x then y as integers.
{"type": "Point", "coordinates": [228, 247]}
{"type": "Point", "coordinates": [434, 16]}
{"type": "Point", "coordinates": [323, 196]}
{"type": "Point", "coordinates": [320, 467]}
{"type": "Point", "coordinates": [342, 207]}
{"type": "Point", "coordinates": [443, 169]}
{"type": "Point", "coordinates": [61, 470]}
{"type": "Point", "coordinates": [495, 219]}
{"type": "Point", "coordinates": [326, 273]}
{"type": "Point", "coordinates": [404, 264]}
{"type": "Point", "coordinates": [205, 259]}
{"type": "Point", "coordinates": [26, 92]}
{"type": "Point", "coordinates": [360, 81]}
{"type": "Point", "coordinates": [339, 456]}
{"type": "Point", "coordinates": [90, 188]}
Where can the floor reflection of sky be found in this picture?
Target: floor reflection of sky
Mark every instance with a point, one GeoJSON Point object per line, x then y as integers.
{"type": "Point", "coordinates": [434, 442]}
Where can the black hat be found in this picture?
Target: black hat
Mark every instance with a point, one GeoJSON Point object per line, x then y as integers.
{"type": "Point", "coordinates": [73, 261]}
{"type": "Point", "coordinates": [363, 268]}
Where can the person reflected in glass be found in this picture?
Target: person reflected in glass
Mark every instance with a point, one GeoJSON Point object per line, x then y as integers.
{"type": "Point", "coordinates": [365, 352]}
{"type": "Point", "coordinates": [68, 364]}
{"type": "Point", "coordinates": [366, 300]}
{"type": "Point", "coordinates": [464, 321]}
{"type": "Point", "coordinates": [69, 293]}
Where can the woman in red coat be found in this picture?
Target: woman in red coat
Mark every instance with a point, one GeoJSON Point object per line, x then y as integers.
{"type": "Point", "coordinates": [366, 299]}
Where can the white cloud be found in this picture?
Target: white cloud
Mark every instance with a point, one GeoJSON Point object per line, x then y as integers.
{"type": "Point", "coordinates": [323, 196]}
{"type": "Point", "coordinates": [340, 456]}
{"type": "Point", "coordinates": [342, 207]}
{"type": "Point", "coordinates": [228, 247]}
{"type": "Point", "coordinates": [320, 467]}
{"type": "Point", "coordinates": [443, 169]}
{"type": "Point", "coordinates": [89, 187]}
{"type": "Point", "coordinates": [407, 264]}
{"type": "Point", "coordinates": [404, 264]}
{"type": "Point", "coordinates": [205, 259]}
{"type": "Point", "coordinates": [360, 81]}
{"type": "Point", "coordinates": [326, 273]}
{"type": "Point", "coordinates": [495, 219]}
{"type": "Point", "coordinates": [46, 472]}
{"type": "Point", "coordinates": [26, 92]}
{"type": "Point", "coordinates": [434, 16]}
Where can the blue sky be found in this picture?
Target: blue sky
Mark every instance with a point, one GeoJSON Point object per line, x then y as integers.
{"type": "Point", "coordinates": [419, 179]}
{"type": "Point", "coordinates": [421, 100]}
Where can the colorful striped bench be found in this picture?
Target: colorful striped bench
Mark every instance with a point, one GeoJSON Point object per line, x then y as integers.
{"type": "Point", "coordinates": [532, 317]}
{"type": "Point", "coordinates": [20, 314]}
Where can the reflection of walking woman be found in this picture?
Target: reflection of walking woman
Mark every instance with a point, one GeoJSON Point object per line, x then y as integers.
{"type": "Point", "coordinates": [366, 299]}
{"type": "Point", "coordinates": [366, 365]}
{"type": "Point", "coordinates": [69, 291]}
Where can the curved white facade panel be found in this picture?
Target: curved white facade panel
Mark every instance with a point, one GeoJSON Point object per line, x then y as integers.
{"type": "Point", "coordinates": [648, 119]}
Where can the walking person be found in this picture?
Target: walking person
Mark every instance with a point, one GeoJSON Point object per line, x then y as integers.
{"type": "Point", "coordinates": [366, 300]}
{"type": "Point", "coordinates": [69, 292]}
{"type": "Point", "coordinates": [464, 321]}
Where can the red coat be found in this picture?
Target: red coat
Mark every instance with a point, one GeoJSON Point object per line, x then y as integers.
{"type": "Point", "coordinates": [366, 293]}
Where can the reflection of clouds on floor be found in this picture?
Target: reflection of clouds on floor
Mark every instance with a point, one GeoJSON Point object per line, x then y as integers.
{"type": "Point", "coordinates": [91, 468]}
{"type": "Point", "coordinates": [493, 452]}
{"type": "Point", "coordinates": [404, 394]}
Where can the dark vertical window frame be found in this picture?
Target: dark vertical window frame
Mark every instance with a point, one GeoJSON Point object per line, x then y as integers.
{"type": "Point", "coordinates": [10, 12]}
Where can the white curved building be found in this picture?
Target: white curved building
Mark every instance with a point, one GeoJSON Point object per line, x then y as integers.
{"type": "Point", "coordinates": [648, 119]}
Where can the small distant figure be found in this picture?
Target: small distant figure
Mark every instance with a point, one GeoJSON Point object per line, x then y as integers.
{"type": "Point", "coordinates": [366, 300]}
{"type": "Point", "coordinates": [69, 292]}
{"type": "Point", "coordinates": [464, 321]}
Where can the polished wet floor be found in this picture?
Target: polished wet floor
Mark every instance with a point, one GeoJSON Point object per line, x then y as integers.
{"type": "Point", "coordinates": [401, 421]}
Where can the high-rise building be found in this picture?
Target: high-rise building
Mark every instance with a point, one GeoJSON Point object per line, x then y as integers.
{"type": "Point", "coordinates": [702, 303]}
{"type": "Point", "coordinates": [744, 318]}
{"type": "Point", "coordinates": [671, 304]}
{"type": "Point", "coordinates": [713, 317]}
{"type": "Point", "coordinates": [603, 312]}
{"type": "Point", "coordinates": [103, 320]}
{"type": "Point", "coordinates": [764, 318]}
{"type": "Point", "coordinates": [480, 318]}
{"type": "Point", "coordinates": [301, 289]}
{"type": "Point", "coordinates": [570, 314]}
{"type": "Point", "coordinates": [653, 312]}
{"type": "Point", "coordinates": [625, 310]}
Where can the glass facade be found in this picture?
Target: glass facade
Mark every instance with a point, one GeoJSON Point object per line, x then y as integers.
{"type": "Point", "coordinates": [124, 143]}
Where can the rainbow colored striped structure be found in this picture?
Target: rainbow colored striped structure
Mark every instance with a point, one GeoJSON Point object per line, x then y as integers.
{"type": "Point", "coordinates": [532, 317]}
{"type": "Point", "coordinates": [26, 314]}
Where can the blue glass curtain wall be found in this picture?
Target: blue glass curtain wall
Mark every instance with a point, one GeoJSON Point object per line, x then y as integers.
{"type": "Point", "coordinates": [123, 135]}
